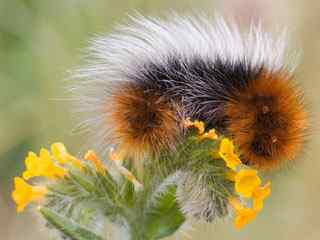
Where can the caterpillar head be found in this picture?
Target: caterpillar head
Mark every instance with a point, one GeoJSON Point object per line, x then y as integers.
{"type": "Point", "coordinates": [267, 120]}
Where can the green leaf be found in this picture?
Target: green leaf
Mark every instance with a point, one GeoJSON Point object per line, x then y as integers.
{"type": "Point", "coordinates": [67, 226]}
{"type": "Point", "coordinates": [83, 182]}
{"type": "Point", "coordinates": [109, 185]}
{"type": "Point", "coordinates": [163, 217]}
{"type": "Point", "coordinates": [128, 193]}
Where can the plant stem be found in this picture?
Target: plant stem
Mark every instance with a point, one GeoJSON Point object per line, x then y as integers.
{"type": "Point", "coordinates": [137, 233]}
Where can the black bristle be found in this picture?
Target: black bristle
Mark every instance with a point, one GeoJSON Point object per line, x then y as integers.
{"type": "Point", "coordinates": [201, 85]}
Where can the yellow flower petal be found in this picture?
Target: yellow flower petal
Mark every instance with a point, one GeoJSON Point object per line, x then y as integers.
{"type": "Point", "coordinates": [60, 153]}
{"type": "Point", "coordinates": [199, 125]}
{"type": "Point", "coordinates": [42, 166]}
{"type": "Point", "coordinates": [32, 165]}
{"type": "Point", "coordinates": [257, 204]}
{"type": "Point", "coordinates": [235, 203]}
{"type": "Point", "coordinates": [226, 146]}
{"type": "Point", "coordinates": [212, 135]}
{"type": "Point", "coordinates": [226, 152]}
{"type": "Point", "coordinates": [246, 216]}
{"type": "Point", "coordinates": [259, 195]}
{"type": "Point", "coordinates": [243, 215]}
{"type": "Point", "coordinates": [49, 167]}
{"type": "Point", "coordinates": [25, 193]}
{"type": "Point", "coordinates": [92, 157]}
{"type": "Point", "coordinates": [263, 192]}
{"type": "Point", "coordinates": [246, 182]}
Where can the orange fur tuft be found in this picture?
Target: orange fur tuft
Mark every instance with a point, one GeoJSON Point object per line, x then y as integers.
{"type": "Point", "coordinates": [143, 121]}
{"type": "Point", "coordinates": [267, 121]}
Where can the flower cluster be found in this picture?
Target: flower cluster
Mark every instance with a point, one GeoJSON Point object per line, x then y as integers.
{"type": "Point", "coordinates": [247, 184]}
{"type": "Point", "coordinates": [54, 165]}
{"type": "Point", "coordinates": [85, 184]}
{"type": "Point", "coordinates": [45, 165]}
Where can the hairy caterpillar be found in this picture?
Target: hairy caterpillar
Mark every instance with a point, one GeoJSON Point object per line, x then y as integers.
{"type": "Point", "coordinates": [144, 79]}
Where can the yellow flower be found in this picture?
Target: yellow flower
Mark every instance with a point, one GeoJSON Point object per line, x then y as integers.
{"type": "Point", "coordinates": [60, 153]}
{"type": "Point", "coordinates": [209, 135]}
{"type": "Point", "coordinates": [25, 193]}
{"type": "Point", "coordinates": [259, 195]}
{"type": "Point", "coordinates": [92, 157]}
{"type": "Point", "coordinates": [226, 152]}
{"type": "Point", "coordinates": [199, 125]}
{"type": "Point", "coordinates": [243, 215]}
{"type": "Point", "coordinates": [42, 166]}
{"type": "Point", "coordinates": [246, 182]}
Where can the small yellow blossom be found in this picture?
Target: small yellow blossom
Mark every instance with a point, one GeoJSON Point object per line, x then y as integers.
{"type": "Point", "coordinates": [25, 193]}
{"type": "Point", "coordinates": [246, 182]}
{"type": "Point", "coordinates": [60, 153]}
{"type": "Point", "coordinates": [244, 215]}
{"type": "Point", "coordinates": [209, 135]}
{"type": "Point", "coordinates": [226, 152]}
{"type": "Point", "coordinates": [42, 166]}
{"type": "Point", "coordinates": [259, 194]}
{"type": "Point", "coordinates": [92, 157]}
{"type": "Point", "coordinates": [199, 125]}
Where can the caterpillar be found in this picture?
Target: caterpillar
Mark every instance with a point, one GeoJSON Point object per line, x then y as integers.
{"type": "Point", "coordinates": [145, 78]}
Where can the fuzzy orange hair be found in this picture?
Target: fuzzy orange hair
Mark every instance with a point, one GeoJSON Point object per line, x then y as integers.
{"type": "Point", "coordinates": [144, 121]}
{"type": "Point", "coordinates": [267, 120]}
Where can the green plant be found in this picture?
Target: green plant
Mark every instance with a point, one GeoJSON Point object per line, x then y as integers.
{"type": "Point", "coordinates": [201, 178]}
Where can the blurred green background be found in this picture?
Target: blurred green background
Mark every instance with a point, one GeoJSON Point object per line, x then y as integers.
{"type": "Point", "coordinates": [40, 40]}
